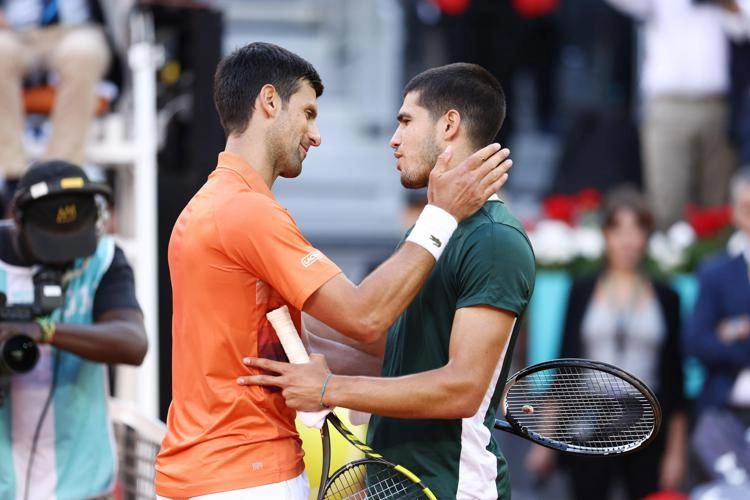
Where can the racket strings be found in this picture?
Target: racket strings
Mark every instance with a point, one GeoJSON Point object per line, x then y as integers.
{"type": "Point", "coordinates": [371, 481]}
{"type": "Point", "coordinates": [582, 408]}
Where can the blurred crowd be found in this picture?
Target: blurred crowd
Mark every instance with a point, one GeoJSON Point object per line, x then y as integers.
{"type": "Point", "coordinates": [661, 121]}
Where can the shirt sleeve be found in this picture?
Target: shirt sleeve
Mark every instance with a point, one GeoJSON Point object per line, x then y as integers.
{"type": "Point", "coordinates": [265, 240]}
{"type": "Point", "coordinates": [497, 269]}
{"type": "Point", "coordinates": [116, 289]}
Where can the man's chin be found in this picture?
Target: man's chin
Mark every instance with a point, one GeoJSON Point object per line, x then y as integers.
{"type": "Point", "coordinates": [413, 183]}
{"type": "Point", "coordinates": [290, 172]}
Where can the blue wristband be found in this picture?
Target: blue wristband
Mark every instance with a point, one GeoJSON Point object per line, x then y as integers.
{"type": "Point", "coordinates": [323, 390]}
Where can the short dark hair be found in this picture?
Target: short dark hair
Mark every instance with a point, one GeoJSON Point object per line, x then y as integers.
{"type": "Point", "coordinates": [240, 76]}
{"type": "Point", "coordinates": [626, 197]}
{"type": "Point", "coordinates": [469, 89]}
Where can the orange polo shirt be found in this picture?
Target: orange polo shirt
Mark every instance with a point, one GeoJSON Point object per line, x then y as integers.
{"type": "Point", "coordinates": [234, 255]}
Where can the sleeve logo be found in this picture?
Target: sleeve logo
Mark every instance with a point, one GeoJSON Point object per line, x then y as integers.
{"type": "Point", "coordinates": [310, 258]}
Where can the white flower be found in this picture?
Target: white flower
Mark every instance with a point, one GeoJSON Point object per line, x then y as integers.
{"type": "Point", "coordinates": [661, 249]}
{"type": "Point", "coordinates": [589, 242]}
{"type": "Point", "coordinates": [737, 243]}
{"type": "Point", "coordinates": [552, 242]}
{"type": "Point", "coordinates": [681, 235]}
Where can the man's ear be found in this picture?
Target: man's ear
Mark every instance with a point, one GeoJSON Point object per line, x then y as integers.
{"type": "Point", "coordinates": [450, 123]}
{"type": "Point", "coordinates": [268, 100]}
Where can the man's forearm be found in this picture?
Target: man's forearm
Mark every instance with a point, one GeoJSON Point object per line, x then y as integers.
{"type": "Point", "coordinates": [115, 340]}
{"type": "Point", "coordinates": [431, 394]}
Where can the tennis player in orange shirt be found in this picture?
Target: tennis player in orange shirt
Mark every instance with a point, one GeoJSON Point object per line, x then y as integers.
{"type": "Point", "coordinates": [236, 254]}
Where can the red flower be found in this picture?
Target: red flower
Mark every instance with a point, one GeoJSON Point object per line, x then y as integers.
{"type": "Point", "coordinates": [452, 7]}
{"type": "Point", "coordinates": [535, 8]}
{"type": "Point", "coordinates": [569, 208]}
{"type": "Point", "coordinates": [560, 207]}
{"type": "Point", "coordinates": [588, 199]}
{"type": "Point", "coordinates": [708, 222]}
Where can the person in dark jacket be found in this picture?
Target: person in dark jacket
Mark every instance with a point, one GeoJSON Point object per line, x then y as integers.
{"type": "Point", "coordinates": [624, 317]}
{"type": "Point", "coordinates": [719, 331]}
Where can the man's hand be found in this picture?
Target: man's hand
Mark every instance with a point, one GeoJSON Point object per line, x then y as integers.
{"type": "Point", "coordinates": [301, 384]}
{"type": "Point", "coordinates": [734, 329]}
{"type": "Point", "coordinates": [3, 21]}
{"type": "Point", "coordinates": [462, 190]}
{"type": "Point", "coordinates": [12, 328]}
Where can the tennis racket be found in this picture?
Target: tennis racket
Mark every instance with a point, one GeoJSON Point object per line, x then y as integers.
{"type": "Point", "coordinates": [581, 407]}
{"type": "Point", "coordinates": [372, 477]}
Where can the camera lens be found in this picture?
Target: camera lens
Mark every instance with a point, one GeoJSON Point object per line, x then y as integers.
{"type": "Point", "coordinates": [18, 354]}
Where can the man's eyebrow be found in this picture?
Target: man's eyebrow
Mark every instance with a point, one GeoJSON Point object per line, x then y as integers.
{"type": "Point", "coordinates": [402, 115]}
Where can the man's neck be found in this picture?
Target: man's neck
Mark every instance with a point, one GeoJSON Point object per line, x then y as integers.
{"type": "Point", "coordinates": [254, 153]}
{"type": "Point", "coordinates": [461, 151]}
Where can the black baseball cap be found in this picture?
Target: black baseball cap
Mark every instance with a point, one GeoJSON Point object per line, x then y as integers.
{"type": "Point", "coordinates": [55, 203]}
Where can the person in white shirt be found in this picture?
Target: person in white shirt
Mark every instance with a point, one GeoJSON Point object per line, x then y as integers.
{"type": "Point", "coordinates": [684, 83]}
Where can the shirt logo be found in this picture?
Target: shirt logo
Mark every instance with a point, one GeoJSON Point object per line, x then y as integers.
{"type": "Point", "coordinates": [310, 258]}
{"type": "Point", "coordinates": [436, 241]}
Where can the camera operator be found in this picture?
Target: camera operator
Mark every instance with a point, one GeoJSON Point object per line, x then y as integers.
{"type": "Point", "coordinates": [55, 434]}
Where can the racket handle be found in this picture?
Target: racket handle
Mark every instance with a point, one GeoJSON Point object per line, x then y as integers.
{"type": "Point", "coordinates": [295, 351]}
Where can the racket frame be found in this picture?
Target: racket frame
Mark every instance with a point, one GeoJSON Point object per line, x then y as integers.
{"type": "Point", "coordinates": [370, 456]}
{"type": "Point", "coordinates": [510, 424]}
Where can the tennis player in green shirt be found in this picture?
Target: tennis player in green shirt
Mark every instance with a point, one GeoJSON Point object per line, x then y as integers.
{"type": "Point", "coordinates": [446, 358]}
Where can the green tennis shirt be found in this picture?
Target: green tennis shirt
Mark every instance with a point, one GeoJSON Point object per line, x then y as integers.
{"type": "Point", "coordinates": [488, 261]}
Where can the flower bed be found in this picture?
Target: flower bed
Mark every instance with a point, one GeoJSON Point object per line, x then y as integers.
{"type": "Point", "coordinates": [567, 236]}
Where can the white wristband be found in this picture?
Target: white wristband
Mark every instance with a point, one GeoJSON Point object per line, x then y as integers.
{"type": "Point", "coordinates": [433, 229]}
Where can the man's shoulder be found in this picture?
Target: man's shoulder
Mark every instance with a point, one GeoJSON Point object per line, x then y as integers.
{"type": "Point", "coordinates": [719, 263]}
{"type": "Point", "coordinates": [230, 204]}
{"type": "Point", "coordinates": [495, 224]}
{"type": "Point", "coordinates": [244, 202]}
{"type": "Point", "coordinates": [496, 213]}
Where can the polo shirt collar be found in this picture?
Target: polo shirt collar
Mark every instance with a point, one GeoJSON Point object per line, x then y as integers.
{"type": "Point", "coordinates": [251, 176]}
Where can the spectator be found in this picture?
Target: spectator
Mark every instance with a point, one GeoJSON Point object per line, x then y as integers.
{"type": "Point", "coordinates": [66, 37]}
{"type": "Point", "coordinates": [719, 333]}
{"type": "Point", "coordinates": [684, 83]}
{"type": "Point", "coordinates": [58, 441]}
{"type": "Point", "coordinates": [626, 318]}
{"type": "Point", "coordinates": [719, 337]}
